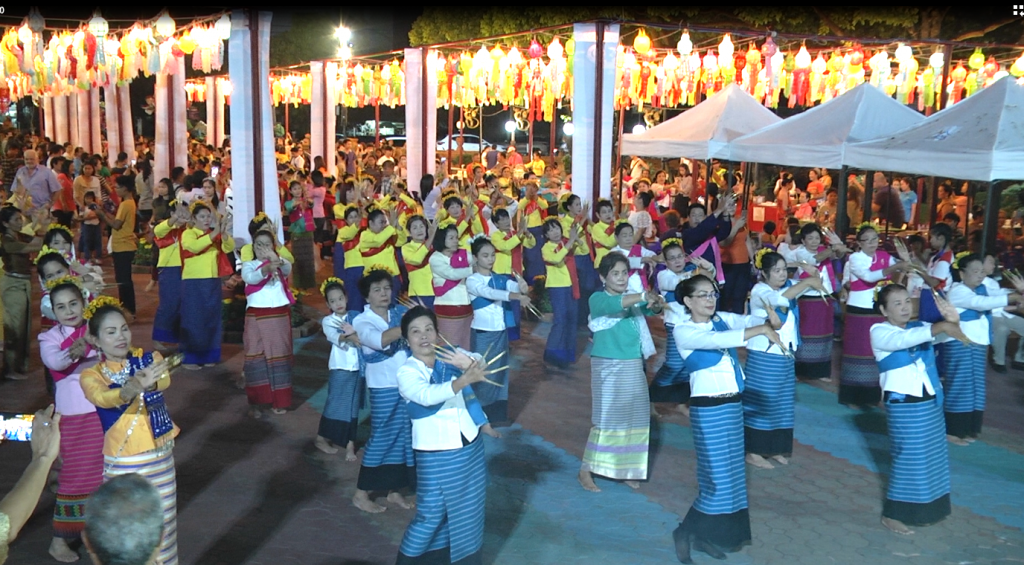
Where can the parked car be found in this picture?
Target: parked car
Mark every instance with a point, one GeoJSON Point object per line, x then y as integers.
{"type": "Point", "coordinates": [470, 143]}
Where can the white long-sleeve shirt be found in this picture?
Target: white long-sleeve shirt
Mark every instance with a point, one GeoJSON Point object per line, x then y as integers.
{"type": "Point", "coordinates": [964, 298]}
{"type": "Point", "coordinates": [675, 313]}
{"type": "Point", "coordinates": [803, 255]}
{"type": "Point", "coordinates": [994, 289]}
{"type": "Point", "coordinates": [371, 328]}
{"type": "Point", "coordinates": [887, 338]}
{"type": "Point", "coordinates": [691, 336]}
{"type": "Point", "coordinates": [344, 355]}
{"type": "Point", "coordinates": [441, 270]}
{"type": "Point", "coordinates": [859, 267]}
{"type": "Point", "coordinates": [273, 294]}
{"type": "Point", "coordinates": [491, 318]}
{"type": "Point", "coordinates": [788, 333]}
{"type": "Point", "coordinates": [635, 284]}
{"type": "Point", "coordinates": [444, 429]}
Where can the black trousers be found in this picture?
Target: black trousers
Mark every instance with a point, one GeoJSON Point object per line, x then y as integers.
{"type": "Point", "coordinates": [123, 277]}
{"type": "Point", "coordinates": [737, 286]}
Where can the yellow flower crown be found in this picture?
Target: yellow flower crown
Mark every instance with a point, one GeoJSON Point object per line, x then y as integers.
{"type": "Point", "coordinates": [62, 228]}
{"type": "Point", "coordinates": [100, 302]}
{"type": "Point", "coordinates": [261, 217]}
{"type": "Point", "coordinates": [196, 204]}
{"type": "Point", "coordinates": [46, 250]}
{"type": "Point", "coordinates": [620, 222]}
{"type": "Point", "coordinates": [880, 286]}
{"type": "Point", "coordinates": [173, 203]}
{"type": "Point", "coordinates": [759, 256]}
{"type": "Point", "coordinates": [449, 192]}
{"type": "Point", "coordinates": [871, 225]}
{"type": "Point", "coordinates": [672, 241]}
{"type": "Point", "coordinates": [378, 267]}
{"type": "Point", "coordinates": [66, 279]}
{"type": "Point", "coordinates": [958, 257]}
{"type": "Point", "coordinates": [330, 281]}
{"type": "Point", "coordinates": [446, 223]}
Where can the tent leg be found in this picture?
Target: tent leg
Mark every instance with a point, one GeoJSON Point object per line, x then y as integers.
{"type": "Point", "coordinates": [842, 219]}
{"type": "Point", "coordinates": [991, 229]}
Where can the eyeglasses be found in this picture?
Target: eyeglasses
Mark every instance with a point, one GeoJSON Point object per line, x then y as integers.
{"type": "Point", "coordinates": [707, 295]}
{"type": "Point", "coordinates": [868, 240]}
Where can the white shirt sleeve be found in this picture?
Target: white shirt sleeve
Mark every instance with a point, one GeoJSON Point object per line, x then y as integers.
{"type": "Point", "coordinates": [963, 297]}
{"type": "Point", "coordinates": [441, 266]}
{"type": "Point", "coordinates": [251, 272]}
{"type": "Point", "coordinates": [414, 385]}
{"type": "Point", "coordinates": [369, 334]}
{"type": "Point", "coordinates": [860, 267]}
{"type": "Point", "coordinates": [763, 292]}
{"type": "Point", "coordinates": [887, 338]}
{"type": "Point", "coordinates": [332, 331]}
{"type": "Point", "coordinates": [696, 338]}
{"type": "Point", "coordinates": [477, 285]}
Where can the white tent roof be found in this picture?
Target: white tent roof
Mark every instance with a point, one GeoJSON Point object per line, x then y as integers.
{"type": "Point", "coordinates": [819, 136]}
{"type": "Point", "coordinates": [705, 130]}
{"type": "Point", "coordinates": [980, 138]}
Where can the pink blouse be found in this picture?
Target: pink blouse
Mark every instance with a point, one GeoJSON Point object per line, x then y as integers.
{"type": "Point", "coordinates": [53, 348]}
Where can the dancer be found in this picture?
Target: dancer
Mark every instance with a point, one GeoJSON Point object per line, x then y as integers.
{"type": "Point", "coordinates": [377, 245]}
{"type": "Point", "coordinates": [300, 214]}
{"type": "Point", "coordinates": [563, 289]}
{"type": "Point", "coordinates": [66, 354]}
{"type": "Point", "coordinates": [509, 245]}
{"type": "Point", "coordinates": [602, 233]}
{"type": "Point", "coordinates": [534, 211]}
{"type": "Point", "coordinates": [201, 246]}
{"type": "Point", "coordinates": [345, 384]}
{"type": "Point", "coordinates": [639, 256]}
{"type": "Point", "coordinates": [350, 269]}
{"type": "Point", "coordinates": [446, 423]}
{"type": "Point", "coordinates": [491, 296]}
{"type": "Point", "coordinates": [416, 256]}
{"type": "Point", "coordinates": [858, 383]}
{"type": "Point", "coordinates": [388, 463]}
{"type": "Point", "coordinates": [127, 390]}
{"type": "Point", "coordinates": [618, 444]}
{"type": "Point", "coordinates": [771, 379]}
{"type": "Point", "coordinates": [918, 491]}
{"type": "Point", "coordinates": [578, 215]}
{"type": "Point", "coordinates": [450, 267]}
{"type": "Point", "coordinates": [817, 307]}
{"type": "Point", "coordinates": [963, 365]}
{"type": "Point", "coordinates": [268, 327]}
{"type": "Point", "coordinates": [168, 233]}
{"type": "Point", "coordinates": [672, 382]}
{"type": "Point", "coordinates": [718, 522]}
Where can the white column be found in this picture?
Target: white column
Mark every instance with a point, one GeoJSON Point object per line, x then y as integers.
{"type": "Point", "coordinates": [72, 106]}
{"type": "Point", "coordinates": [84, 121]}
{"type": "Point", "coordinates": [126, 127]}
{"type": "Point", "coordinates": [113, 119]}
{"type": "Point", "coordinates": [251, 102]}
{"type": "Point", "coordinates": [316, 112]}
{"type": "Point", "coordinates": [586, 152]}
{"type": "Point", "coordinates": [60, 119]}
{"type": "Point", "coordinates": [420, 116]}
{"type": "Point", "coordinates": [162, 145]}
{"type": "Point", "coordinates": [48, 118]}
{"type": "Point", "coordinates": [331, 120]}
{"type": "Point", "coordinates": [214, 112]}
{"type": "Point", "coordinates": [94, 121]}
{"type": "Point", "coordinates": [179, 115]}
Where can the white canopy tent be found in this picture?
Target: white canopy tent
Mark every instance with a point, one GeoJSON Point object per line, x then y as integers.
{"type": "Point", "coordinates": [980, 138]}
{"type": "Point", "coordinates": [704, 131]}
{"type": "Point", "coordinates": [819, 137]}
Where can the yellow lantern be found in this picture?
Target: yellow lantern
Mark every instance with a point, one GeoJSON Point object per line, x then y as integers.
{"type": "Point", "coordinates": [977, 59]}
{"type": "Point", "coordinates": [642, 43]}
{"type": "Point", "coordinates": [570, 47]}
{"type": "Point", "coordinates": [497, 53]}
{"type": "Point", "coordinates": [1017, 68]}
{"type": "Point", "coordinates": [187, 44]}
{"type": "Point", "coordinates": [819, 66]}
{"type": "Point", "coordinates": [803, 58]}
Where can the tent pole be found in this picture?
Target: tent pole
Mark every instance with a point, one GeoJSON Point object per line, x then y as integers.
{"type": "Point", "coordinates": [933, 204]}
{"type": "Point", "coordinates": [869, 188]}
{"type": "Point", "coordinates": [451, 138]}
{"type": "Point", "coordinates": [596, 180]}
{"type": "Point", "coordinates": [991, 229]}
{"type": "Point", "coordinates": [618, 159]}
{"type": "Point", "coordinates": [842, 220]}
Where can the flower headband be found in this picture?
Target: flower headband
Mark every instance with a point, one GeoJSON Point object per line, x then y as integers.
{"type": "Point", "coordinates": [66, 279]}
{"type": "Point", "coordinates": [446, 223]}
{"type": "Point", "coordinates": [671, 241]}
{"type": "Point", "coordinates": [197, 204]}
{"type": "Point", "coordinates": [46, 250]}
{"type": "Point", "coordinates": [261, 217]}
{"type": "Point", "coordinates": [871, 225]}
{"type": "Point", "coordinates": [880, 286]}
{"type": "Point", "coordinates": [100, 302]}
{"type": "Point", "coordinates": [959, 256]}
{"type": "Point", "coordinates": [62, 228]}
{"type": "Point", "coordinates": [331, 281]}
{"type": "Point", "coordinates": [378, 267]}
{"type": "Point", "coordinates": [759, 257]}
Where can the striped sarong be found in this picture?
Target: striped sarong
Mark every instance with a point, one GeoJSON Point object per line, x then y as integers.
{"type": "Point", "coordinates": [768, 395]}
{"type": "Point", "coordinates": [533, 257]}
{"type": "Point", "coordinates": [672, 382]}
{"type": "Point", "coordinates": [561, 345]}
{"type": "Point", "coordinates": [963, 381]}
{"type": "Point", "coordinates": [304, 270]}
{"type": "Point", "coordinates": [354, 299]}
{"type": "Point", "coordinates": [493, 399]}
{"type": "Point", "coordinates": [268, 356]}
{"type": "Point", "coordinates": [158, 469]}
{"type": "Point", "coordinates": [388, 460]}
{"type": "Point", "coordinates": [719, 514]}
{"type": "Point", "coordinates": [201, 321]}
{"type": "Point", "coordinates": [81, 450]}
{"type": "Point", "coordinates": [454, 322]}
{"type": "Point", "coordinates": [345, 390]}
{"type": "Point", "coordinates": [589, 283]}
{"type": "Point", "coordinates": [817, 328]}
{"type": "Point", "coordinates": [450, 497]}
{"type": "Point", "coordinates": [918, 492]}
{"type": "Point", "coordinates": [167, 320]}
{"type": "Point", "coordinates": [858, 384]}
{"type": "Point", "coordinates": [619, 441]}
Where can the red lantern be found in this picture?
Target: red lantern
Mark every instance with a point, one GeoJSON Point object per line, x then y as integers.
{"type": "Point", "coordinates": [856, 57]}
{"type": "Point", "coordinates": [990, 68]}
{"type": "Point", "coordinates": [739, 61]}
{"type": "Point", "coordinates": [535, 50]}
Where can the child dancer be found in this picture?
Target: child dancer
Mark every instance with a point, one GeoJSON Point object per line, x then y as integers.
{"type": "Point", "coordinates": [416, 256]}
{"type": "Point", "coordinates": [268, 327]}
{"type": "Point", "coordinates": [563, 288]}
{"type": "Point", "coordinates": [167, 237]}
{"type": "Point", "coordinates": [65, 353]}
{"type": "Point", "coordinates": [300, 213]}
{"type": "Point", "coordinates": [509, 245]}
{"type": "Point", "coordinates": [351, 268]}
{"type": "Point", "coordinates": [602, 233]}
{"type": "Point", "coordinates": [377, 245]}
{"type": "Point", "coordinates": [450, 267]}
{"type": "Point", "coordinates": [491, 295]}
{"type": "Point", "coordinates": [201, 244]}
{"type": "Point", "coordinates": [345, 384]}
{"type": "Point", "coordinates": [575, 214]}
{"type": "Point", "coordinates": [534, 210]}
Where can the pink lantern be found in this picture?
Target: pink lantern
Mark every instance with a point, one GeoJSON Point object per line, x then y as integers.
{"type": "Point", "coordinates": [536, 50]}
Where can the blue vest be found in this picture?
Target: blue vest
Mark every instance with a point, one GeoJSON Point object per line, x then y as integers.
{"type": "Point", "coordinates": [159, 417]}
{"type": "Point", "coordinates": [497, 282]}
{"type": "Point", "coordinates": [972, 315]}
{"type": "Point", "coordinates": [906, 357]}
{"type": "Point", "coordinates": [794, 310]}
{"type": "Point", "coordinates": [443, 373]}
{"type": "Point", "coordinates": [394, 320]}
{"type": "Point", "coordinates": [707, 358]}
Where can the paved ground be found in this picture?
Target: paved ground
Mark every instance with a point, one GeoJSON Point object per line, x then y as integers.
{"type": "Point", "coordinates": [259, 493]}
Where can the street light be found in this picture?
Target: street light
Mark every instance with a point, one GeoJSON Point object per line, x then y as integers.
{"type": "Point", "coordinates": [639, 128]}
{"type": "Point", "coordinates": [343, 34]}
{"type": "Point", "coordinates": [510, 127]}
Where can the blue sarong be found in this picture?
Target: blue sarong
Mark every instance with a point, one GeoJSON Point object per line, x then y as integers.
{"type": "Point", "coordinates": [450, 498]}
{"type": "Point", "coordinates": [494, 399]}
{"type": "Point", "coordinates": [340, 420]}
{"type": "Point", "coordinates": [721, 472]}
{"type": "Point", "coordinates": [533, 257]}
{"type": "Point", "coordinates": [963, 373]}
{"type": "Point", "coordinates": [389, 448]}
{"type": "Point", "coordinates": [768, 403]}
{"type": "Point", "coordinates": [672, 382]}
{"type": "Point", "coordinates": [919, 484]}
{"type": "Point", "coordinates": [354, 298]}
{"type": "Point", "coordinates": [167, 320]}
{"type": "Point", "coordinates": [201, 321]}
{"type": "Point", "coordinates": [561, 346]}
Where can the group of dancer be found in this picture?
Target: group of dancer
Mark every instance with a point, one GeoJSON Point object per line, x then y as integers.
{"type": "Point", "coordinates": [422, 313]}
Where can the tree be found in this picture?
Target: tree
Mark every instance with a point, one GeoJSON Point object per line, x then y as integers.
{"type": "Point", "coordinates": [309, 37]}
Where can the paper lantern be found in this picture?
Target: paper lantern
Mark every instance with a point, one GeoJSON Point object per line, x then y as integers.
{"type": "Point", "coordinates": [187, 44]}
{"type": "Point", "coordinates": [536, 50]}
{"type": "Point", "coordinates": [642, 43]}
{"type": "Point", "coordinates": [570, 47]}
{"type": "Point", "coordinates": [165, 25]}
{"type": "Point", "coordinates": [223, 27]}
{"type": "Point", "coordinates": [856, 57]}
{"type": "Point", "coordinates": [937, 60]}
{"type": "Point", "coordinates": [98, 25]}
{"type": "Point", "coordinates": [836, 64]}
{"type": "Point", "coordinates": [710, 62]}
{"type": "Point", "coordinates": [904, 53]}
{"type": "Point", "coordinates": [725, 49]}
{"type": "Point", "coordinates": [977, 59]}
{"type": "Point", "coordinates": [991, 67]}
{"type": "Point", "coordinates": [497, 53]}
{"type": "Point", "coordinates": [1017, 68]}
{"type": "Point", "coordinates": [959, 73]}
{"type": "Point", "coordinates": [803, 58]}
{"type": "Point", "coordinates": [36, 23]}
{"type": "Point", "coordinates": [685, 46]}
{"type": "Point", "coordinates": [515, 58]}
{"type": "Point", "coordinates": [555, 50]}
{"type": "Point", "coordinates": [753, 57]}
{"type": "Point", "coordinates": [25, 34]}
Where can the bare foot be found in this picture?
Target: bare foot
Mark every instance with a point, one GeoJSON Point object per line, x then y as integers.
{"type": "Point", "coordinates": [970, 439]}
{"type": "Point", "coordinates": [350, 452]}
{"type": "Point", "coordinates": [781, 459]}
{"type": "Point", "coordinates": [362, 501]}
{"type": "Point", "coordinates": [684, 409]}
{"type": "Point", "coordinates": [587, 481]}
{"type": "Point", "coordinates": [896, 526]}
{"type": "Point", "coordinates": [151, 286]}
{"type": "Point", "coordinates": [826, 380]}
{"type": "Point", "coordinates": [255, 413]}
{"type": "Point", "coordinates": [61, 552]}
{"type": "Point", "coordinates": [278, 411]}
{"type": "Point", "coordinates": [12, 376]}
{"type": "Point", "coordinates": [397, 498]}
{"type": "Point", "coordinates": [322, 444]}
{"type": "Point", "coordinates": [191, 367]}
{"type": "Point", "coordinates": [758, 461]}
{"type": "Point", "coordinates": [654, 413]}
{"type": "Point", "coordinates": [635, 485]}
{"type": "Point", "coordinates": [487, 429]}
{"type": "Point", "coordinates": [956, 440]}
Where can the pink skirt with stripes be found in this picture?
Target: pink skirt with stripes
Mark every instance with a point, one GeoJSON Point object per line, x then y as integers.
{"type": "Point", "coordinates": [81, 449]}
